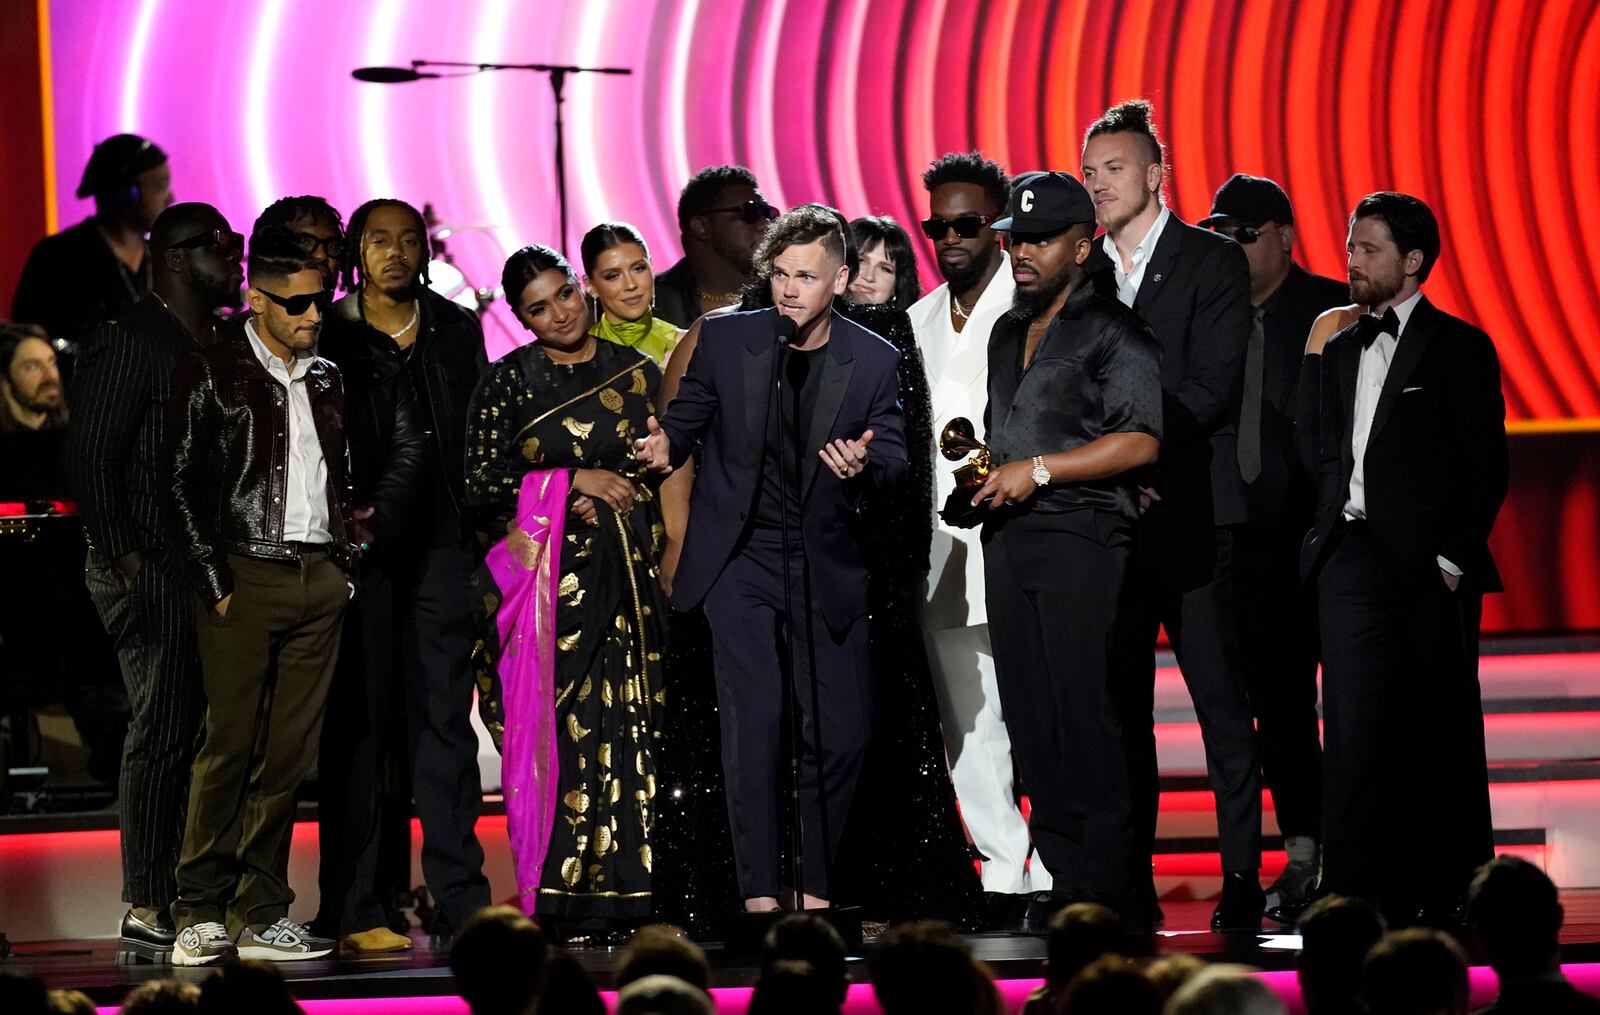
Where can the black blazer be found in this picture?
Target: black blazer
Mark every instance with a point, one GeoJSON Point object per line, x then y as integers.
{"type": "Point", "coordinates": [721, 411]}
{"type": "Point", "coordinates": [1436, 466]}
{"type": "Point", "coordinates": [1195, 295]}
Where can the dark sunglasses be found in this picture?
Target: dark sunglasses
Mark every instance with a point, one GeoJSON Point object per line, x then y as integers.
{"type": "Point", "coordinates": [309, 242]}
{"type": "Point", "coordinates": [296, 305]}
{"type": "Point", "coordinates": [966, 226]}
{"type": "Point", "coordinates": [750, 211]}
{"type": "Point", "coordinates": [1242, 235]}
{"type": "Point", "coordinates": [225, 240]}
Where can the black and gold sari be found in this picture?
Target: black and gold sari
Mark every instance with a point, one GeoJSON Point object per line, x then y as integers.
{"type": "Point", "coordinates": [535, 420]}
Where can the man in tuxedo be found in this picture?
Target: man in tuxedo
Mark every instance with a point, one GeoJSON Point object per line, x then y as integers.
{"type": "Point", "coordinates": [766, 514]}
{"type": "Point", "coordinates": [1192, 287]}
{"type": "Point", "coordinates": [1411, 473]}
{"type": "Point", "coordinates": [1277, 615]}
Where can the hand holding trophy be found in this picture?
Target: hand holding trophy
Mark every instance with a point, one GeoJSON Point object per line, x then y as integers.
{"type": "Point", "coordinates": [959, 438]}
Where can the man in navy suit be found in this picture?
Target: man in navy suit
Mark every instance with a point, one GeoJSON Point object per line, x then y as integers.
{"type": "Point", "coordinates": [775, 506]}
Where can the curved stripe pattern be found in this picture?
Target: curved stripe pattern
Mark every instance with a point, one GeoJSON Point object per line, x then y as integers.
{"type": "Point", "coordinates": [1485, 108]}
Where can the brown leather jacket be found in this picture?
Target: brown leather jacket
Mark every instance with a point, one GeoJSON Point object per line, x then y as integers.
{"type": "Point", "coordinates": [227, 452]}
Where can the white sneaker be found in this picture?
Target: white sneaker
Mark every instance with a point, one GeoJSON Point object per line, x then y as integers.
{"type": "Point", "coordinates": [202, 944]}
{"type": "Point", "coordinates": [284, 941]}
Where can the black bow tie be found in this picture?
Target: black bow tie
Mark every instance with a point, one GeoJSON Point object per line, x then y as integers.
{"type": "Point", "coordinates": [1369, 327]}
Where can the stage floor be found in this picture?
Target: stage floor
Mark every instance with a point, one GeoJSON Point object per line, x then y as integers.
{"type": "Point", "coordinates": [90, 966]}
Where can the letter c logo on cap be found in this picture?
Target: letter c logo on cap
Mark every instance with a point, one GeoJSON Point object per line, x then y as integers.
{"type": "Point", "coordinates": [1026, 204]}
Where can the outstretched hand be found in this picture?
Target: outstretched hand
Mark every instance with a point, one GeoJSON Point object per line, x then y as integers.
{"type": "Point", "coordinates": [654, 451]}
{"type": "Point", "coordinates": [847, 458]}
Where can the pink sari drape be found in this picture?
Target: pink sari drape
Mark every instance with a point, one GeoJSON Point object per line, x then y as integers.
{"type": "Point", "coordinates": [526, 567]}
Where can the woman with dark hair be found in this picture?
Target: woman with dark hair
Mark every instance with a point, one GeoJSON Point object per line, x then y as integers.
{"type": "Point", "coordinates": [619, 280]}
{"type": "Point", "coordinates": [569, 658]}
{"type": "Point", "coordinates": [888, 271]}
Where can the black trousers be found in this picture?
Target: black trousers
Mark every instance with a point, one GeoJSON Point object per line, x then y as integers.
{"type": "Point", "coordinates": [1053, 584]}
{"type": "Point", "coordinates": [1403, 718]}
{"type": "Point", "coordinates": [364, 813]}
{"type": "Point", "coordinates": [151, 624]}
{"type": "Point", "coordinates": [1182, 578]}
{"type": "Point", "coordinates": [1278, 645]}
{"type": "Point", "coordinates": [435, 644]}
{"type": "Point", "coordinates": [833, 686]}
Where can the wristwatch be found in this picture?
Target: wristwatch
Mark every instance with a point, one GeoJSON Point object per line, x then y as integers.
{"type": "Point", "coordinates": [1041, 475]}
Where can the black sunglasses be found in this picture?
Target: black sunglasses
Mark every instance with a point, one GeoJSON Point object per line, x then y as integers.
{"type": "Point", "coordinates": [754, 210]}
{"type": "Point", "coordinates": [1242, 235]}
{"type": "Point", "coordinates": [966, 226]}
{"type": "Point", "coordinates": [296, 305]}
{"type": "Point", "coordinates": [309, 242]}
{"type": "Point", "coordinates": [225, 240]}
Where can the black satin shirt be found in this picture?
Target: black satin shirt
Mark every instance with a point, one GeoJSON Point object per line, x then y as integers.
{"type": "Point", "coordinates": [1097, 371]}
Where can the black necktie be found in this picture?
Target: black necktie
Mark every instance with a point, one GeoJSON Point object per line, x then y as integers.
{"type": "Point", "coordinates": [1372, 326]}
{"type": "Point", "coordinates": [1250, 407]}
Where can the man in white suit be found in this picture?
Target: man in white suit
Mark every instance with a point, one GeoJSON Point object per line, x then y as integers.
{"type": "Point", "coordinates": [952, 323]}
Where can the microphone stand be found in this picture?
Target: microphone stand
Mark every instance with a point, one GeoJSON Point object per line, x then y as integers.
{"type": "Point", "coordinates": [791, 695]}
{"type": "Point", "coordinates": [557, 74]}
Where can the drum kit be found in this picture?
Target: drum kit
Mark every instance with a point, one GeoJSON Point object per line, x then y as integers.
{"type": "Point", "coordinates": [444, 277]}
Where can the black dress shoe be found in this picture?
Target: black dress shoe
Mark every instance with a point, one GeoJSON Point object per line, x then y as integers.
{"type": "Point", "coordinates": [144, 941]}
{"type": "Point", "coordinates": [1043, 905]}
{"type": "Point", "coordinates": [1004, 912]}
{"type": "Point", "coordinates": [1242, 905]}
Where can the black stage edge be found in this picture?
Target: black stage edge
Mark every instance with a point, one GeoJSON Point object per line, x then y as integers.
{"type": "Point", "coordinates": [90, 966]}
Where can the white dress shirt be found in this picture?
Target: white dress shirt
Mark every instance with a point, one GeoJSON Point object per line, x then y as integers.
{"type": "Point", "coordinates": [957, 364]}
{"type": "Point", "coordinates": [1370, 377]}
{"type": "Point", "coordinates": [305, 508]}
{"type": "Point", "coordinates": [1128, 282]}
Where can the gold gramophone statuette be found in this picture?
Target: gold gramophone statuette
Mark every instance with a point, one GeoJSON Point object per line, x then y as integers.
{"type": "Point", "coordinates": [958, 438]}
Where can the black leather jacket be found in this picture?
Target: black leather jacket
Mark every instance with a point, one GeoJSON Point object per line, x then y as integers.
{"type": "Point", "coordinates": [383, 431]}
{"type": "Point", "coordinates": [445, 365]}
{"type": "Point", "coordinates": [227, 452]}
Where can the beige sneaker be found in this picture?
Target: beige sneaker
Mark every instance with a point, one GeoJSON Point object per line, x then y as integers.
{"type": "Point", "coordinates": [284, 941]}
{"type": "Point", "coordinates": [203, 944]}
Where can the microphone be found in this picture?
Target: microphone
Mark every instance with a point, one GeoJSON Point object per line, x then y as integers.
{"type": "Point", "coordinates": [390, 75]}
{"type": "Point", "coordinates": [784, 329]}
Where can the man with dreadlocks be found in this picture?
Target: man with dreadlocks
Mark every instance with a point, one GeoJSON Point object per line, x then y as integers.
{"type": "Point", "coordinates": [422, 549]}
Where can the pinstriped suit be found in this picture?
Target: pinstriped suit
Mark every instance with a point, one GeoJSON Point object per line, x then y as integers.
{"type": "Point", "coordinates": [119, 394]}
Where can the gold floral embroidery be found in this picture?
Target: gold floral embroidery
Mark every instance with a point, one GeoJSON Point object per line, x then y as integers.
{"type": "Point", "coordinates": [611, 400]}
{"type": "Point", "coordinates": [577, 800]}
{"type": "Point", "coordinates": [571, 870]}
{"type": "Point", "coordinates": [530, 449]}
{"type": "Point", "coordinates": [568, 642]}
{"type": "Point", "coordinates": [602, 841]}
{"type": "Point", "coordinates": [646, 858]}
{"type": "Point", "coordinates": [577, 429]}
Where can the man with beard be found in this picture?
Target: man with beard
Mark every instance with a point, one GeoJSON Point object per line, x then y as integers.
{"type": "Point", "coordinates": [30, 381]}
{"type": "Point", "coordinates": [1412, 471]}
{"type": "Point", "coordinates": [86, 273]}
{"type": "Point", "coordinates": [313, 224]}
{"type": "Point", "coordinates": [1074, 408]}
{"type": "Point", "coordinates": [966, 193]}
{"type": "Point", "coordinates": [1277, 615]}
{"type": "Point", "coordinates": [134, 568]}
{"type": "Point", "coordinates": [721, 216]}
{"type": "Point", "coordinates": [412, 594]}
{"type": "Point", "coordinates": [765, 515]}
{"type": "Point", "coordinates": [1193, 287]}
{"type": "Point", "coordinates": [259, 501]}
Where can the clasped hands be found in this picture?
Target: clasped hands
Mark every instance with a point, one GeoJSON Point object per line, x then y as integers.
{"type": "Point", "coordinates": [845, 458]}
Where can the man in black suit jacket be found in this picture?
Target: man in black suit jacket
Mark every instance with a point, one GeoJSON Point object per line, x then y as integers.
{"type": "Point", "coordinates": [1411, 473]}
{"type": "Point", "coordinates": [1192, 287]}
{"type": "Point", "coordinates": [765, 514]}
{"type": "Point", "coordinates": [1277, 614]}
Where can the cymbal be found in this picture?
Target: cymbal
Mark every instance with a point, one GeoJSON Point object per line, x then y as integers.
{"type": "Point", "coordinates": [444, 230]}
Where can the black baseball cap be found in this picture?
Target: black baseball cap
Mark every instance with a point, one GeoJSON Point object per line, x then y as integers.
{"type": "Point", "coordinates": [1045, 202]}
{"type": "Point", "coordinates": [1249, 201]}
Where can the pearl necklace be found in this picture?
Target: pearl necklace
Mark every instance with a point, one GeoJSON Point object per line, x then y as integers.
{"type": "Point", "coordinates": [961, 312]}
